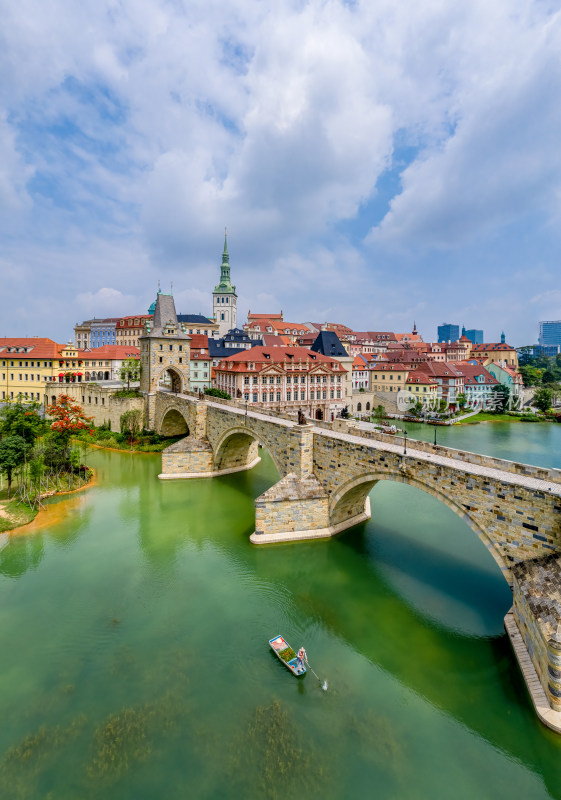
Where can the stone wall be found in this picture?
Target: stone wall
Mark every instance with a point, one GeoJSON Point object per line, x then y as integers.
{"type": "Point", "coordinates": [97, 401]}
{"type": "Point", "coordinates": [537, 611]}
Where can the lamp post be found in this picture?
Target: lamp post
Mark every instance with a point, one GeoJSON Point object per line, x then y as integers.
{"type": "Point", "coordinates": [435, 435]}
{"type": "Point", "coordinates": [404, 443]}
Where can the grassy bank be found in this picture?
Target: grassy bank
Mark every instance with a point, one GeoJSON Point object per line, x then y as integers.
{"type": "Point", "coordinates": [486, 416]}
{"type": "Point", "coordinates": [143, 443]}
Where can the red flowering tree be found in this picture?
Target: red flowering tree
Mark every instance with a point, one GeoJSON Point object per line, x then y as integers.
{"type": "Point", "coordinates": [69, 418]}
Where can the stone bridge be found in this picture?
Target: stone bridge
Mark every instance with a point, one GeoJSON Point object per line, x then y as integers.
{"type": "Point", "coordinates": [326, 476]}
{"type": "Point", "coordinates": [327, 471]}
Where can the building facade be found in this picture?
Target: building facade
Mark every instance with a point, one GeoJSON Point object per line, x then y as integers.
{"type": "Point", "coordinates": [129, 329]}
{"type": "Point", "coordinates": [103, 331]}
{"type": "Point", "coordinates": [550, 332]}
{"type": "Point", "coordinates": [285, 379]}
{"type": "Point", "coordinates": [27, 364]}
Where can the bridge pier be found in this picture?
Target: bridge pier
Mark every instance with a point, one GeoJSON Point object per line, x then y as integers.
{"type": "Point", "coordinates": [296, 509]}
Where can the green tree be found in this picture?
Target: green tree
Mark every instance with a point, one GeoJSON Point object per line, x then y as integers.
{"type": "Point", "coordinates": [380, 413]}
{"type": "Point", "coordinates": [130, 370]}
{"type": "Point", "coordinates": [500, 397]}
{"type": "Point", "coordinates": [542, 398]}
{"type": "Point", "coordinates": [461, 399]}
{"type": "Point", "coordinates": [19, 419]}
{"type": "Point", "coordinates": [531, 375]}
{"type": "Point", "coordinates": [217, 393]}
{"type": "Point", "coordinates": [131, 423]}
{"type": "Point", "coordinates": [13, 450]}
{"type": "Point", "coordinates": [548, 376]}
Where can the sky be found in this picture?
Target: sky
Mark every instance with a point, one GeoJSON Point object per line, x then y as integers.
{"type": "Point", "coordinates": [376, 163]}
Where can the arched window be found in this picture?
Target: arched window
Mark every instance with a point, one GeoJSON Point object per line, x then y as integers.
{"type": "Point", "coordinates": [359, 407]}
{"type": "Point", "coordinates": [368, 406]}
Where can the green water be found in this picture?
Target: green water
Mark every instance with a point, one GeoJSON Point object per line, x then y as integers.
{"type": "Point", "coordinates": [134, 659]}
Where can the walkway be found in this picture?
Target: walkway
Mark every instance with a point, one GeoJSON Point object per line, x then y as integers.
{"type": "Point", "coordinates": [534, 484]}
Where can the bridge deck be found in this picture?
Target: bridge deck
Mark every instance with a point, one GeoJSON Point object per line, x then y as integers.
{"type": "Point", "coordinates": [535, 484]}
{"type": "Point", "coordinates": [514, 479]}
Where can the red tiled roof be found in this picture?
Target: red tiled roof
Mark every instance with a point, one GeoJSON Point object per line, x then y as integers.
{"type": "Point", "coordinates": [264, 356]}
{"type": "Point", "coordinates": [35, 347]}
{"type": "Point", "coordinates": [111, 352]}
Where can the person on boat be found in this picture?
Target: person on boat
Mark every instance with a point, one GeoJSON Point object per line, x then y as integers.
{"type": "Point", "coordinates": [301, 657]}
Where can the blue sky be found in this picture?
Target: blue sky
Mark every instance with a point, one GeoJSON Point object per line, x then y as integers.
{"type": "Point", "coordinates": [375, 163]}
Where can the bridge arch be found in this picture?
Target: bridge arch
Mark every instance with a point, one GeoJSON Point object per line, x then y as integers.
{"type": "Point", "coordinates": [237, 447]}
{"type": "Point", "coordinates": [170, 379]}
{"type": "Point", "coordinates": [349, 500]}
{"type": "Point", "coordinates": [173, 423]}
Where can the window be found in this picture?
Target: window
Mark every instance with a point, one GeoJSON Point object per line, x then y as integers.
{"type": "Point", "coordinates": [246, 397]}
{"type": "Point", "coordinates": [103, 401]}
{"type": "Point", "coordinates": [288, 397]}
{"type": "Point", "coordinates": [255, 379]}
{"type": "Point", "coordinates": [312, 395]}
{"type": "Point", "coordinates": [359, 407]}
{"type": "Point", "coordinates": [264, 397]}
{"type": "Point", "coordinates": [288, 379]}
{"type": "Point", "coordinates": [271, 380]}
{"type": "Point", "coordinates": [264, 380]}
{"type": "Point", "coordinates": [246, 380]}
{"type": "Point", "coordinates": [254, 397]}
{"type": "Point", "coordinates": [302, 395]}
{"type": "Point", "coordinates": [278, 380]}
{"type": "Point", "coordinates": [161, 360]}
{"type": "Point", "coordinates": [324, 395]}
{"type": "Point", "coordinates": [271, 396]}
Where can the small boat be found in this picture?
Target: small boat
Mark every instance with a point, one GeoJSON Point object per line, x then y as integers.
{"type": "Point", "coordinates": [286, 654]}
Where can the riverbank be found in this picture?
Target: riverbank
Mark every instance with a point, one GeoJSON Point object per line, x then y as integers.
{"type": "Point", "coordinates": [15, 514]}
{"type": "Point", "coordinates": [110, 440]}
{"type": "Point", "coordinates": [485, 416]}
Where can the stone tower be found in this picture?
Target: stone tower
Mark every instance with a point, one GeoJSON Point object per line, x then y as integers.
{"type": "Point", "coordinates": [164, 354]}
{"type": "Point", "coordinates": [224, 297]}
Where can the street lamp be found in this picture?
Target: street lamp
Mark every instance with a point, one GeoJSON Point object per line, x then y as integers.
{"type": "Point", "coordinates": [404, 443]}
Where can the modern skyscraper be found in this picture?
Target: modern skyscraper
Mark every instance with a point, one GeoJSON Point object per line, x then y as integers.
{"type": "Point", "coordinates": [475, 336]}
{"type": "Point", "coordinates": [224, 297]}
{"type": "Point", "coordinates": [550, 332]}
{"type": "Point", "coordinates": [448, 332]}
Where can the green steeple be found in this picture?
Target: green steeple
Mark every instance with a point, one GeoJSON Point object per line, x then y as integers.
{"type": "Point", "coordinates": [225, 286]}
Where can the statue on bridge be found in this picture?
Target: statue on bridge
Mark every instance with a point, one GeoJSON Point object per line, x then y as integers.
{"type": "Point", "coordinates": [301, 417]}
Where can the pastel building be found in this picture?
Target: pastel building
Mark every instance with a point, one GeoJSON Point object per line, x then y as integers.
{"type": "Point", "coordinates": [285, 379]}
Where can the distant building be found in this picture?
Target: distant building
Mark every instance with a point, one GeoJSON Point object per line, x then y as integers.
{"type": "Point", "coordinates": [235, 341]}
{"type": "Point", "coordinates": [129, 329]}
{"type": "Point", "coordinates": [550, 333]}
{"type": "Point", "coordinates": [448, 332]}
{"type": "Point", "coordinates": [103, 331]}
{"type": "Point", "coordinates": [474, 335]}
{"type": "Point", "coordinates": [197, 324]}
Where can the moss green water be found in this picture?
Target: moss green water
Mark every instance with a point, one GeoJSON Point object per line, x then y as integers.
{"type": "Point", "coordinates": [134, 659]}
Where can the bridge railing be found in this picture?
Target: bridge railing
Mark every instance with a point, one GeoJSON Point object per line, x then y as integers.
{"type": "Point", "coordinates": [514, 467]}
{"type": "Point", "coordinates": [342, 426]}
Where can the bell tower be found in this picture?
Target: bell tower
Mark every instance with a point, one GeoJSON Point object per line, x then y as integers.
{"type": "Point", "coordinates": [224, 297]}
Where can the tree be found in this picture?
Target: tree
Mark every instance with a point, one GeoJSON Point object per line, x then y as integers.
{"type": "Point", "coordinates": [69, 418]}
{"type": "Point", "coordinates": [500, 395]}
{"type": "Point", "coordinates": [461, 399]}
{"type": "Point", "coordinates": [131, 423]}
{"type": "Point", "coordinates": [130, 370]}
{"type": "Point", "coordinates": [13, 450]}
{"type": "Point", "coordinates": [380, 413]}
{"type": "Point", "coordinates": [217, 393]}
{"type": "Point", "coordinates": [19, 419]}
{"type": "Point", "coordinates": [542, 398]}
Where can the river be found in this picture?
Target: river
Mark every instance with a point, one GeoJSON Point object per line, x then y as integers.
{"type": "Point", "coordinates": [134, 621]}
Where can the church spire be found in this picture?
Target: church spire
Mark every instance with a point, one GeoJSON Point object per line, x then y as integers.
{"type": "Point", "coordinates": [225, 285]}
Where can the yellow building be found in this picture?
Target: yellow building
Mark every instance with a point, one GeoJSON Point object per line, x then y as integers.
{"type": "Point", "coordinates": [26, 364]}
{"type": "Point", "coordinates": [388, 377]}
{"type": "Point", "coordinates": [497, 353]}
